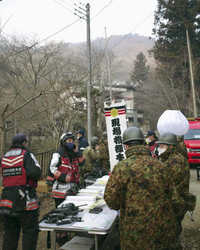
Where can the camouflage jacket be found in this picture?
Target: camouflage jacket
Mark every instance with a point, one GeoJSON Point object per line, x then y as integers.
{"type": "Point", "coordinates": [92, 158]}
{"type": "Point", "coordinates": [140, 188]}
{"type": "Point", "coordinates": [104, 155]}
{"type": "Point", "coordinates": [181, 148]}
{"type": "Point", "coordinates": [178, 168]}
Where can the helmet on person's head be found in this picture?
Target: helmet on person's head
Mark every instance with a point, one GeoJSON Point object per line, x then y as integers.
{"type": "Point", "coordinates": [66, 136]}
{"type": "Point", "coordinates": [94, 141]}
{"type": "Point", "coordinates": [19, 139]}
{"type": "Point", "coordinates": [132, 134]}
{"type": "Point", "coordinates": [167, 138]}
{"type": "Point", "coordinates": [70, 135]}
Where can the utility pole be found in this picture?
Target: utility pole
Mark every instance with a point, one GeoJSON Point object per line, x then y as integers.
{"type": "Point", "coordinates": [89, 83]}
{"type": "Point", "coordinates": [86, 16]}
{"type": "Point", "coordinates": [191, 74]}
{"type": "Point", "coordinates": [191, 67]}
{"type": "Point", "coordinates": [108, 65]}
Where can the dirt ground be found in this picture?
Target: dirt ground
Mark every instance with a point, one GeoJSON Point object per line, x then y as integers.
{"type": "Point", "coordinates": [191, 228]}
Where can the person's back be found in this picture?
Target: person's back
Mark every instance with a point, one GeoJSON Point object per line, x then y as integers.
{"type": "Point", "coordinates": [104, 155]}
{"type": "Point", "coordinates": [147, 219]}
{"type": "Point", "coordinates": [19, 205]}
{"type": "Point", "coordinates": [88, 155]}
{"type": "Point", "coordinates": [179, 169]}
{"type": "Point", "coordinates": [82, 141]}
{"type": "Point", "coordinates": [181, 148]}
{"type": "Point", "coordinates": [177, 166]}
{"type": "Point", "coordinates": [93, 160]}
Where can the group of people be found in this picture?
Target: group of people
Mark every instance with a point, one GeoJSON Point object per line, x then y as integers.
{"type": "Point", "coordinates": [151, 190]}
{"type": "Point", "coordinates": [150, 187]}
{"type": "Point", "coordinates": [70, 165]}
{"type": "Point", "coordinates": [73, 163]}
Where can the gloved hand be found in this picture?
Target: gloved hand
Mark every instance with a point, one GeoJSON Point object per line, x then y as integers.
{"type": "Point", "coordinates": [68, 178]}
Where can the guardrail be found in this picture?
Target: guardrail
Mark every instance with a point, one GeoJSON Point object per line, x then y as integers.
{"type": "Point", "coordinates": [44, 159]}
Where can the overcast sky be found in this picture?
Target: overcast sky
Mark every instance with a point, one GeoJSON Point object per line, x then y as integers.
{"type": "Point", "coordinates": [40, 19]}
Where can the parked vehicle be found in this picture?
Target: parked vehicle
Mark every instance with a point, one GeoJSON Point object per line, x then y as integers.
{"type": "Point", "coordinates": [192, 142]}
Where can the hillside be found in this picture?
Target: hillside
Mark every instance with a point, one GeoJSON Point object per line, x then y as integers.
{"type": "Point", "coordinates": [125, 49]}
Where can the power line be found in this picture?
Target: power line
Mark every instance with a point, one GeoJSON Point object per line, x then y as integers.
{"type": "Point", "coordinates": [135, 28]}
{"type": "Point", "coordinates": [44, 39]}
{"type": "Point", "coordinates": [5, 23]}
{"type": "Point", "coordinates": [69, 25]}
{"type": "Point", "coordinates": [101, 10]}
{"type": "Point", "coordinates": [76, 21]}
{"type": "Point", "coordinates": [60, 30]}
{"type": "Point", "coordinates": [61, 4]}
{"type": "Point", "coordinates": [69, 3]}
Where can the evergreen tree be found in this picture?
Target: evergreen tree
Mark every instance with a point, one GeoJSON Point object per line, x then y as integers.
{"type": "Point", "coordinates": [140, 72]}
{"type": "Point", "coordinates": [172, 19]}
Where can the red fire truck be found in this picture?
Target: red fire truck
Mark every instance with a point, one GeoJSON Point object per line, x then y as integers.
{"type": "Point", "coordinates": [192, 142]}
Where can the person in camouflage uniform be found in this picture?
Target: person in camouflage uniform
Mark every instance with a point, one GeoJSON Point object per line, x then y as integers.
{"type": "Point", "coordinates": [104, 153]}
{"type": "Point", "coordinates": [91, 155]}
{"type": "Point", "coordinates": [179, 171]}
{"type": "Point", "coordinates": [181, 147]}
{"type": "Point", "coordinates": [140, 188]}
{"type": "Point", "coordinates": [93, 164]}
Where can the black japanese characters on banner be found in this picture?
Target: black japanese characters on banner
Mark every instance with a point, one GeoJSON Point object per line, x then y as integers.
{"type": "Point", "coordinates": [115, 123]}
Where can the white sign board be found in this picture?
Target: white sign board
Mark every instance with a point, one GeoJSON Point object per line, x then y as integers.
{"type": "Point", "coordinates": [115, 115]}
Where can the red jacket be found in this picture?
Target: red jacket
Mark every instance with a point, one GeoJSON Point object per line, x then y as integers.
{"type": "Point", "coordinates": [13, 171]}
{"type": "Point", "coordinates": [20, 172]}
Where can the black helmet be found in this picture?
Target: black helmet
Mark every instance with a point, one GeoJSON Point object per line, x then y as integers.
{"type": "Point", "coordinates": [19, 139]}
{"type": "Point", "coordinates": [94, 141]}
{"type": "Point", "coordinates": [66, 136]}
{"type": "Point", "coordinates": [168, 138]}
{"type": "Point", "coordinates": [132, 134]}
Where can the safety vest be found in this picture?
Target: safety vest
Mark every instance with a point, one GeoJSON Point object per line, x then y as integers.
{"type": "Point", "coordinates": [13, 171]}
{"type": "Point", "coordinates": [14, 175]}
{"type": "Point", "coordinates": [66, 167]}
{"type": "Point", "coordinates": [59, 190]}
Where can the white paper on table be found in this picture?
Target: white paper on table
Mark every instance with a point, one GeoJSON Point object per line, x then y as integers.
{"type": "Point", "coordinates": [103, 180]}
{"type": "Point", "coordinates": [90, 191]}
{"type": "Point", "coordinates": [95, 187]}
{"type": "Point", "coordinates": [81, 198]}
{"type": "Point", "coordinates": [100, 221]}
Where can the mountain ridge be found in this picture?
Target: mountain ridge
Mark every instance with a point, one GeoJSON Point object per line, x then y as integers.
{"type": "Point", "coordinates": [125, 49]}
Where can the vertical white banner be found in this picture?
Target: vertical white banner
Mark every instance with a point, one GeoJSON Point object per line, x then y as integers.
{"type": "Point", "coordinates": [115, 115]}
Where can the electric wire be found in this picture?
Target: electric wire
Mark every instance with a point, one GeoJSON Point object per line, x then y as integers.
{"type": "Point", "coordinates": [44, 39]}
{"type": "Point", "coordinates": [134, 29]}
{"type": "Point", "coordinates": [76, 21]}
{"type": "Point", "coordinates": [61, 4]}
{"type": "Point", "coordinates": [69, 25]}
{"type": "Point", "coordinates": [68, 3]}
{"type": "Point", "coordinates": [102, 9]}
{"type": "Point", "coordinates": [59, 31]}
{"type": "Point", "coordinates": [5, 23]}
